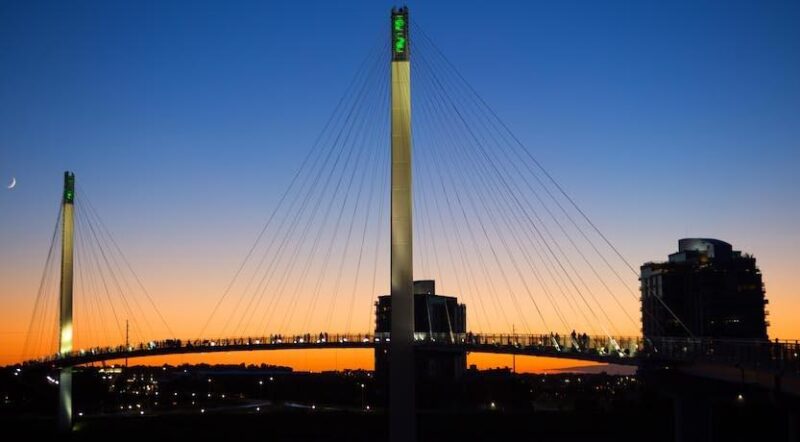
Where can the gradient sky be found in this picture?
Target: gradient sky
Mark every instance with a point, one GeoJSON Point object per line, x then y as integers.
{"type": "Point", "coordinates": [185, 121]}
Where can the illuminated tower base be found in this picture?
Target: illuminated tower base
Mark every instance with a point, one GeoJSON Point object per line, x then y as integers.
{"type": "Point", "coordinates": [65, 316]}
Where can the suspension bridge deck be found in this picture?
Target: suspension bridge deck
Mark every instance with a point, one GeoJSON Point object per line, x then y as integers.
{"type": "Point", "coordinates": [599, 349]}
{"type": "Point", "coordinates": [762, 363]}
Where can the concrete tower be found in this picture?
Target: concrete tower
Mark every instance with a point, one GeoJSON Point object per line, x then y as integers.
{"type": "Point", "coordinates": [65, 316]}
{"type": "Point", "coordinates": [402, 410]}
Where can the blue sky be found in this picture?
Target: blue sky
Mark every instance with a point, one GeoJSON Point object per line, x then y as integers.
{"type": "Point", "coordinates": [185, 120]}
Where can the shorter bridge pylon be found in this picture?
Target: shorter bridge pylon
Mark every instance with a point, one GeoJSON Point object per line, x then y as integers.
{"type": "Point", "coordinates": [65, 311]}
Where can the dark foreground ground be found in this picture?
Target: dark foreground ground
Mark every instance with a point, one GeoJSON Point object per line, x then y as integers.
{"type": "Point", "coordinates": [237, 403]}
{"type": "Point", "coordinates": [344, 426]}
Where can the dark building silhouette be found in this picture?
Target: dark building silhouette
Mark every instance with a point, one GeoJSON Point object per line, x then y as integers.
{"type": "Point", "coordinates": [436, 317]}
{"type": "Point", "coordinates": [714, 290]}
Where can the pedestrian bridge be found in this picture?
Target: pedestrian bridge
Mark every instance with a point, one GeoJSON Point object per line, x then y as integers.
{"type": "Point", "coordinates": [621, 350]}
{"type": "Point", "coordinates": [774, 357]}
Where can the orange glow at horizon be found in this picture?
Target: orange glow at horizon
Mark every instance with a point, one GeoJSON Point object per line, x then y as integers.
{"type": "Point", "coordinates": [189, 282]}
{"type": "Point", "coordinates": [15, 316]}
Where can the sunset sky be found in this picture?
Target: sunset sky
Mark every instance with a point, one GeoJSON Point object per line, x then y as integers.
{"type": "Point", "coordinates": [185, 122]}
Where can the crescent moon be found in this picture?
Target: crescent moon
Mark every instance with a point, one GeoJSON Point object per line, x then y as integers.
{"type": "Point", "coordinates": [13, 183]}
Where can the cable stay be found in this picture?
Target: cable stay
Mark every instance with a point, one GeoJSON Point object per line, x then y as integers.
{"type": "Point", "coordinates": [107, 291]}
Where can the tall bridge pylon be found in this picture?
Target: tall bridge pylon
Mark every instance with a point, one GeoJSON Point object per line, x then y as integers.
{"type": "Point", "coordinates": [402, 418]}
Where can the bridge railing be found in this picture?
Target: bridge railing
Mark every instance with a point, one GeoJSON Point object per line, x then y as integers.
{"type": "Point", "coordinates": [777, 356]}
{"type": "Point", "coordinates": [305, 339]}
{"type": "Point", "coordinates": [549, 343]}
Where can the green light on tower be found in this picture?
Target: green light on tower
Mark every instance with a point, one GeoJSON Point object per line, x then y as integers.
{"type": "Point", "coordinates": [399, 30]}
{"type": "Point", "coordinates": [69, 188]}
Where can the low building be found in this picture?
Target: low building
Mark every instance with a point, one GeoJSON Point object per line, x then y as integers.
{"type": "Point", "coordinates": [437, 318]}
